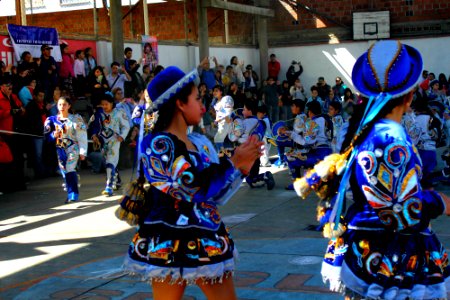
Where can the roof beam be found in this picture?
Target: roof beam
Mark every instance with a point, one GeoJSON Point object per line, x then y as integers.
{"type": "Point", "coordinates": [248, 9]}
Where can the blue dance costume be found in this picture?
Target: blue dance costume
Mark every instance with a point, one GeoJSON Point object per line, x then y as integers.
{"type": "Point", "coordinates": [183, 235]}
{"type": "Point", "coordinates": [70, 137]}
{"type": "Point", "coordinates": [389, 250]}
{"type": "Point", "coordinates": [108, 127]}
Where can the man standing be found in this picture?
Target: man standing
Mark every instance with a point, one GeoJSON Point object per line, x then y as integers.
{"type": "Point", "coordinates": [274, 67]}
{"type": "Point", "coordinates": [115, 78]}
{"type": "Point", "coordinates": [48, 72]}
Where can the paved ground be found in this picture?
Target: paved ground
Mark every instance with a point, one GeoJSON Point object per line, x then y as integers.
{"type": "Point", "coordinates": [49, 250]}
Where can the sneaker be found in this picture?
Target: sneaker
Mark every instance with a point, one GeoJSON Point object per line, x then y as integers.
{"type": "Point", "coordinates": [108, 191]}
{"type": "Point", "coordinates": [290, 187]}
{"type": "Point", "coordinates": [269, 180]}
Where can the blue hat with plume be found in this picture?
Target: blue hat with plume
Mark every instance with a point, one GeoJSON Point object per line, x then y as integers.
{"type": "Point", "coordinates": [167, 84]}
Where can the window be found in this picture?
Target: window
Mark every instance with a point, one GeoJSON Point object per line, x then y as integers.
{"type": "Point", "coordinates": [74, 2]}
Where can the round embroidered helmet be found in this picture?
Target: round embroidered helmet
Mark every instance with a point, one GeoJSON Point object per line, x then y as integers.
{"type": "Point", "coordinates": [387, 67]}
{"type": "Point", "coordinates": [168, 83]}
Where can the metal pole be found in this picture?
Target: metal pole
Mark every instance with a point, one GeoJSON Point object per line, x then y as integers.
{"type": "Point", "coordinates": [146, 24]}
{"type": "Point", "coordinates": [203, 42]}
{"type": "Point", "coordinates": [115, 18]}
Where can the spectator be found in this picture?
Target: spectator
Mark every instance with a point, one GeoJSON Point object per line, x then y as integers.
{"type": "Point", "coordinates": [48, 72]}
{"type": "Point", "coordinates": [146, 74]}
{"type": "Point", "coordinates": [270, 96]}
{"type": "Point", "coordinates": [293, 72]}
{"type": "Point", "coordinates": [89, 61]}
{"type": "Point", "coordinates": [136, 85]}
{"type": "Point", "coordinates": [322, 87]}
{"type": "Point", "coordinates": [297, 91]}
{"type": "Point", "coordinates": [218, 78]}
{"type": "Point", "coordinates": [128, 53]}
{"type": "Point", "coordinates": [11, 112]}
{"type": "Point", "coordinates": [97, 85]}
{"type": "Point", "coordinates": [207, 75]}
{"type": "Point", "coordinates": [237, 70]}
{"type": "Point", "coordinates": [286, 101]}
{"type": "Point", "coordinates": [79, 71]}
{"type": "Point", "coordinates": [229, 77]}
{"type": "Point", "coordinates": [36, 112]}
{"type": "Point", "coordinates": [349, 96]}
{"type": "Point", "coordinates": [273, 67]}
{"type": "Point", "coordinates": [238, 96]}
{"type": "Point", "coordinates": [254, 78]}
{"type": "Point", "coordinates": [116, 79]}
{"type": "Point", "coordinates": [26, 93]}
{"type": "Point", "coordinates": [339, 88]}
{"type": "Point", "coordinates": [66, 72]}
{"type": "Point", "coordinates": [28, 64]}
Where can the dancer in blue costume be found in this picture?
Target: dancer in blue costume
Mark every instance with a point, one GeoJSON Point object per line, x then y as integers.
{"type": "Point", "coordinates": [68, 131]}
{"type": "Point", "coordinates": [181, 238]}
{"type": "Point", "coordinates": [109, 127]}
{"type": "Point", "coordinates": [382, 246]}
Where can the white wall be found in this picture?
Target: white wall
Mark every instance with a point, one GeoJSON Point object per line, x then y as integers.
{"type": "Point", "coordinates": [327, 60]}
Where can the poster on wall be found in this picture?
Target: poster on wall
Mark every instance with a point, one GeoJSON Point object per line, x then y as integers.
{"type": "Point", "coordinates": [150, 51]}
{"type": "Point", "coordinates": [31, 38]}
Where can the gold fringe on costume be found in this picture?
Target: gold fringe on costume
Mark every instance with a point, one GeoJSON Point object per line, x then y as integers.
{"type": "Point", "coordinates": [134, 203]}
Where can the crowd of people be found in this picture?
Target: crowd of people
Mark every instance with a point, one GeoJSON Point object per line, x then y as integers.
{"type": "Point", "coordinates": [304, 124]}
{"type": "Point", "coordinates": [195, 143]}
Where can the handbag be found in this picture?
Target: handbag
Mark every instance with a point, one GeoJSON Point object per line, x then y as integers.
{"type": "Point", "coordinates": [5, 153]}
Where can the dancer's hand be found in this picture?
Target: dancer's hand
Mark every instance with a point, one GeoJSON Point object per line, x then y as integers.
{"type": "Point", "coordinates": [245, 155]}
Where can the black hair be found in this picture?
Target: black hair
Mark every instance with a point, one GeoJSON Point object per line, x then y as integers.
{"type": "Point", "coordinates": [357, 115]}
{"type": "Point", "coordinates": [262, 109]}
{"type": "Point", "coordinates": [37, 91]}
{"type": "Point", "coordinates": [158, 69]}
{"type": "Point", "coordinates": [127, 49]}
{"type": "Point", "coordinates": [132, 61]}
{"type": "Point", "coordinates": [115, 63]}
{"type": "Point", "coordinates": [167, 110]}
{"type": "Point", "coordinates": [231, 60]}
{"type": "Point", "coordinates": [63, 46]}
{"type": "Point", "coordinates": [336, 105]}
{"type": "Point", "coordinates": [314, 107]}
{"type": "Point", "coordinates": [299, 103]}
{"type": "Point", "coordinates": [219, 87]}
{"type": "Point", "coordinates": [251, 105]}
{"type": "Point", "coordinates": [77, 53]}
{"type": "Point", "coordinates": [229, 67]}
{"type": "Point", "coordinates": [24, 53]}
{"type": "Point", "coordinates": [314, 88]}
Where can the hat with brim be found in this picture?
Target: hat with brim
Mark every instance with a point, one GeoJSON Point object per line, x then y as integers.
{"type": "Point", "coordinates": [167, 84]}
{"type": "Point", "coordinates": [387, 67]}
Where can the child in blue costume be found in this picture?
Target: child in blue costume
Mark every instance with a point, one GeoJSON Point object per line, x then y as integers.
{"type": "Point", "coordinates": [382, 246]}
{"type": "Point", "coordinates": [68, 131]}
{"type": "Point", "coordinates": [181, 239]}
{"type": "Point", "coordinates": [244, 128]}
{"type": "Point", "coordinates": [109, 127]}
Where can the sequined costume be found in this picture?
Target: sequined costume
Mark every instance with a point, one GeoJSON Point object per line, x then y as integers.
{"type": "Point", "coordinates": [241, 130]}
{"type": "Point", "coordinates": [388, 250]}
{"type": "Point", "coordinates": [285, 141]}
{"type": "Point", "coordinates": [183, 235]}
{"type": "Point", "coordinates": [224, 109]}
{"type": "Point", "coordinates": [108, 127]}
{"type": "Point", "coordinates": [70, 137]}
{"type": "Point", "coordinates": [315, 143]}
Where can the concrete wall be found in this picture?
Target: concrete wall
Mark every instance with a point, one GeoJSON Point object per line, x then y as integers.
{"type": "Point", "coordinates": [328, 60]}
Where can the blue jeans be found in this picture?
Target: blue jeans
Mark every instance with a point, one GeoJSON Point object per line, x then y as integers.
{"type": "Point", "coordinates": [429, 161]}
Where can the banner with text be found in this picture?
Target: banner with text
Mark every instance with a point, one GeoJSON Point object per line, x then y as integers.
{"type": "Point", "coordinates": [31, 38]}
{"type": "Point", "coordinates": [150, 51]}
